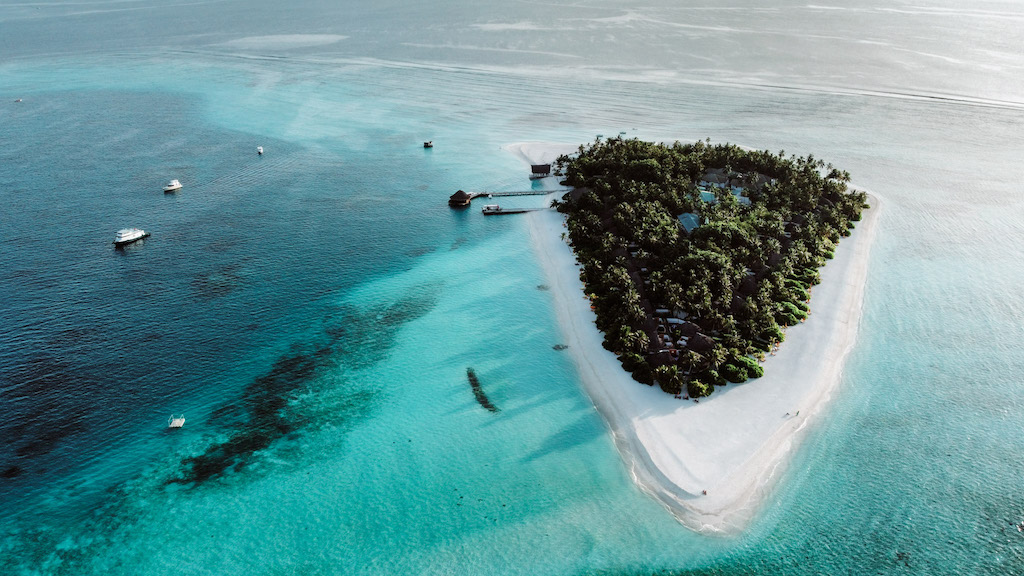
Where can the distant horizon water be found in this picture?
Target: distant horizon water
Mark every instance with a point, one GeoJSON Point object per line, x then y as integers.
{"type": "Point", "coordinates": [313, 311]}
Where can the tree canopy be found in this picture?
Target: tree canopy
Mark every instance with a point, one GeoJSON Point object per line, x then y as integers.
{"type": "Point", "coordinates": [695, 310]}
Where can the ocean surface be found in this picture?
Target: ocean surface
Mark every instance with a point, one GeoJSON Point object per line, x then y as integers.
{"type": "Point", "coordinates": [313, 312]}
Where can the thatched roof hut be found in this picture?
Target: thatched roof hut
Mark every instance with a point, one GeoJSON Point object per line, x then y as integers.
{"type": "Point", "coordinates": [700, 343]}
{"type": "Point", "coordinates": [460, 198]}
{"type": "Point", "coordinates": [738, 305]}
{"type": "Point", "coordinates": [748, 285]}
{"type": "Point", "coordinates": [688, 329]}
{"type": "Point", "coordinates": [575, 193]}
{"type": "Point", "coordinates": [660, 359]}
{"type": "Point", "coordinates": [715, 176]}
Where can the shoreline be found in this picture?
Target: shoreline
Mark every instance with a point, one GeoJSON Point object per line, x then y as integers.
{"type": "Point", "coordinates": [735, 443]}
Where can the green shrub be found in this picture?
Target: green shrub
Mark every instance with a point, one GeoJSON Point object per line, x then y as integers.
{"type": "Point", "coordinates": [794, 284]}
{"type": "Point", "coordinates": [786, 319]}
{"type": "Point", "coordinates": [631, 361]}
{"type": "Point", "coordinates": [696, 389]}
{"type": "Point", "coordinates": [608, 343]}
{"type": "Point", "coordinates": [773, 335]}
{"type": "Point", "coordinates": [712, 377]}
{"type": "Point", "coordinates": [643, 374]}
{"type": "Point", "coordinates": [791, 309]}
{"type": "Point", "coordinates": [810, 276]}
{"type": "Point", "coordinates": [734, 373]}
{"type": "Point", "coordinates": [754, 370]}
{"type": "Point", "coordinates": [668, 378]}
{"type": "Point", "coordinates": [671, 385]}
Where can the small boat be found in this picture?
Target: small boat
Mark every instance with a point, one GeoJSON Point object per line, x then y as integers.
{"type": "Point", "coordinates": [259, 150]}
{"type": "Point", "coordinates": [494, 209]}
{"type": "Point", "coordinates": [428, 144]}
{"type": "Point", "coordinates": [172, 186]}
{"type": "Point", "coordinates": [176, 421]}
{"type": "Point", "coordinates": [18, 100]}
{"type": "Point", "coordinates": [129, 235]}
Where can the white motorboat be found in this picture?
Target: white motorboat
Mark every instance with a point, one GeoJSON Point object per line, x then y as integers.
{"type": "Point", "coordinates": [129, 235]}
{"type": "Point", "coordinates": [259, 150]}
{"type": "Point", "coordinates": [172, 186]}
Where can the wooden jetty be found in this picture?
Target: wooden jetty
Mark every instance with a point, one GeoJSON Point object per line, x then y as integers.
{"type": "Point", "coordinates": [462, 198]}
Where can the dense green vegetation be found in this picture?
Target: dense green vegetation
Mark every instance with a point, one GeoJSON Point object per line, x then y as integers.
{"type": "Point", "coordinates": [699, 309]}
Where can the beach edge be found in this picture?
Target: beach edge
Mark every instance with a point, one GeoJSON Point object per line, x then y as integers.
{"type": "Point", "coordinates": [654, 433]}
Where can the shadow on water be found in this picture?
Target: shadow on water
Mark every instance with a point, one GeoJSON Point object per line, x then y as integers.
{"type": "Point", "coordinates": [575, 433]}
{"type": "Point", "coordinates": [351, 339]}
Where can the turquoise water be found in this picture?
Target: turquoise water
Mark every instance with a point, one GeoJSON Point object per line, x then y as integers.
{"type": "Point", "coordinates": [314, 311]}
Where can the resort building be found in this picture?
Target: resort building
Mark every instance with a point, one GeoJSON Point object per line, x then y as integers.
{"type": "Point", "coordinates": [459, 199]}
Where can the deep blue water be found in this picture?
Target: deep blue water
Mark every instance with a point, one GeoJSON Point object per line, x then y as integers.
{"type": "Point", "coordinates": [314, 311]}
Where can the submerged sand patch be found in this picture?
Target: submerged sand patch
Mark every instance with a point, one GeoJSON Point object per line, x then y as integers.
{"type": "Point", "coordinates": [283, 41]}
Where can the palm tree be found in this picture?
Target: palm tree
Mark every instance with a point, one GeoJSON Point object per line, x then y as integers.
{"type": "Point", "coordinates": [716, 356]}
{"type": "Point", "coordinates": [692, 360]}
{"type": "Point", "coordinates": [637, 341]}
{"type": "Point", "coordinates": [634, 311]}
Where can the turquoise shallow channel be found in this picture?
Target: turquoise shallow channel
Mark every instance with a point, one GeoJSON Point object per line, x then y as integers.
{"type": "Point", "coordinates": [313, 312]}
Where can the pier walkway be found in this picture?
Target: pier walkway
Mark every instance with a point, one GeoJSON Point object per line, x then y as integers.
{"type": "Point", "coordinates": [519, 193]}
{"type": "Point", "coordinates": [462, 199]}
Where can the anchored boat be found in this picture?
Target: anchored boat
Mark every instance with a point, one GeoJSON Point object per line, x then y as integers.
{"type": "Point", "coordinates": [129, 235]}
{"type": "Point", "coordinates": [494, 210]}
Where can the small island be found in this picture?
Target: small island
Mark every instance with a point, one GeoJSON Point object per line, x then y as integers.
{"type": "Point", "coordinates": [711, 463]}
{"type": "Point", "coordinates": [697, 257]}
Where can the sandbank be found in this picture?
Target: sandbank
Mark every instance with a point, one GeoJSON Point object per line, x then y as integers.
{"type": "Point", "coordinates": [735, 443]}
{"type": "Point", "coordinates": [540, 152]}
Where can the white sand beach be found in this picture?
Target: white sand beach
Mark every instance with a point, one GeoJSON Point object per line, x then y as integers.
{"type": "Point", "coordinates": [540, 152]}
{"type": "Point", "coordinates": [734, 443]}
